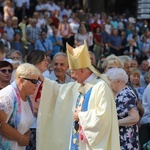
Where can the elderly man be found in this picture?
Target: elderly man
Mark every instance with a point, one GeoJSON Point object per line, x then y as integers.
{"type": "Point", "coordinates": [93, 124]}
{"type": "Point", "coordinates": [60, 67]}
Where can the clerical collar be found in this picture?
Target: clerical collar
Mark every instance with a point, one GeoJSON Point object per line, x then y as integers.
{"type": "Point", "coordinates": [91, 77]}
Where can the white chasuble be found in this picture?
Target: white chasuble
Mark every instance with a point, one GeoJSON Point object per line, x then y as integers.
{"type": "Point", "coordinates": [99, 122]}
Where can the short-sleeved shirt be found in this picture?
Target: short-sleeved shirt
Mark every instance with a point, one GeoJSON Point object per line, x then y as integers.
{"type": "Point", "coordinates": [20, 114]}
{"type": "Point", "coordinates": [56, 48]}
{"type": "Point", "coordinates": [45, 45]}
{"type": "Point", "coordinates": [10, 32]}
{"type": "Point", "coordinates": [33, 33]}
{"type": "Point", "coordinates": [125, 101]}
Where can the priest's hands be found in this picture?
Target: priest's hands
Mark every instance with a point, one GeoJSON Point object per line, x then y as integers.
{"type": "Point", "coordinates": [76, 115]}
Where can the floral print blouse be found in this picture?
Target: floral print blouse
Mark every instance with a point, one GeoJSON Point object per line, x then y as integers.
{"type": "Point", "coordinates": [125, 101]}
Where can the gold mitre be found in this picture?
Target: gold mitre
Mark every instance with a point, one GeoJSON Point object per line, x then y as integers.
{"type": "Point", "coordinates": [78, 57]}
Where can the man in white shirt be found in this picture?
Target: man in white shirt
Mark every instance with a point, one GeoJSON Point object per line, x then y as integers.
{"type": "Point", "coordinates": [60, 67]}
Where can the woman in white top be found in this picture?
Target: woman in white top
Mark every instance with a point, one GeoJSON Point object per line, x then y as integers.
{"type": "Point", "coordinates": [16, 115]}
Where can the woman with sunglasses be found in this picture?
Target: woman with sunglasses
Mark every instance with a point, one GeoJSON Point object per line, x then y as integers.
{"type": "Point", "coordinates": [16, 115]}
{"type": "Point", "coordinates": [6, 70]}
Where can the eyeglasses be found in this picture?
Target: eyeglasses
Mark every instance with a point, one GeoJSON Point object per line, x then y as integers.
{"type": "Point", "coordinates": [34, 81]}
{"type": "Point", "coordinates": [6, 70]}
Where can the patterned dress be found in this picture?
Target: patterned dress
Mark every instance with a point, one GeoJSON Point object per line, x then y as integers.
{"type": "Point", "coordinates": [125, 101]}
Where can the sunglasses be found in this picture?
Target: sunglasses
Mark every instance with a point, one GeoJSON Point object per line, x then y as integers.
{"type": "Point", "coordinates": [34, 81]}
{"type": "Point", "coordinates": [6, 70]}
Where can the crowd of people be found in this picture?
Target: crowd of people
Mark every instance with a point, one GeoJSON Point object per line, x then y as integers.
{"type": "Point", "coordinates": [58, 64]}
{"type": "Point", "coordinates": [53, 24]}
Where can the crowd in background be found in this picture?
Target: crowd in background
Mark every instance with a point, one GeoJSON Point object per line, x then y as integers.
{"type": "Point", "coordinates": [50, 25]}
{"type": "Point", "coordinates": [38, 33]}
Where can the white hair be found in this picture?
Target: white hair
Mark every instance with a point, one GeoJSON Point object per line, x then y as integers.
{"type": "Point", "coordinates": [14, 18]}
{"type": "Point", "coordinates": [113, 59]}
{"type": "Point", "coordinates": [117, 74]}
{"type": "Point", "coordinates": [26, 69]}
{"type": "Point", "coordinates": [125, 58]}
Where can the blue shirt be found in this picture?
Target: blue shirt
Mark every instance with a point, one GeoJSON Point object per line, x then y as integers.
{"type": "Point", "coordinates": [45, 45]}
{"type": "Point", "coordinates": [115, 41]}
{"type": "Point", "coordinates": [105, 37]}
{"type": "Point", "coordinates": [114, 24]}
{"type": "Point", "coordinates": [10, 32]}
{"type": "Point", "coordinates": [56, 48]}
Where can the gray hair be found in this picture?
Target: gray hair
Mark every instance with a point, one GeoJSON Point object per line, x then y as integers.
{"type": "Point", "coordinates": [91, 53]}
{"type": "Point", "coordinates": [26, 69]}
{"type": "Point", "coordinates": [147, 75]}
{"type": "Point", "coordinates": [15, 18]}
{"type": "Point", "coordinates": [125, 59]}
{"type": "Point", "coordinates": [113, 59]}
{"type": "Point", "coordinates": [117, 74]}
{"type": "Point", "coordinates": [14, 51]}
{"type": "Point", "coordinates": [60, 53]}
